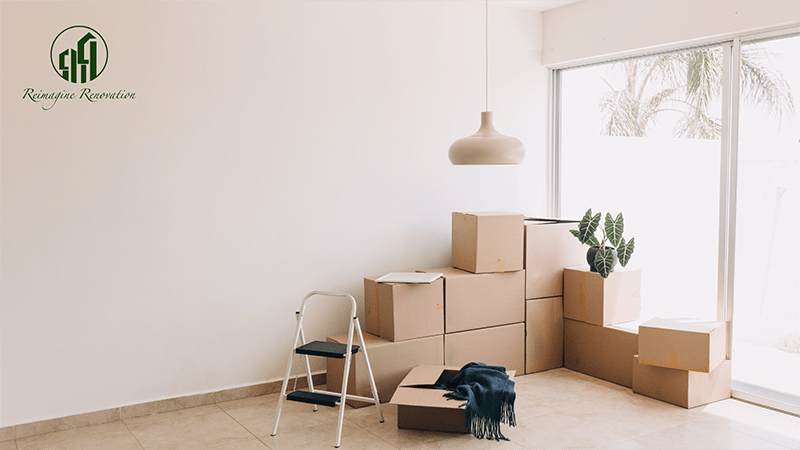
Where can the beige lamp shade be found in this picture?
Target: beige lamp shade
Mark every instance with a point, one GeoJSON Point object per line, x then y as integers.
{"type": "Point", "coordinates": [486, 146]}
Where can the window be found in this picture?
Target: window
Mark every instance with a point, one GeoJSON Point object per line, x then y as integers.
{"type": "Point", "coordinates": [707, 179]}
{"type": "Point", "coordinates": [766, 292]}
{"type": "Point", "coordinates": [637, 138]}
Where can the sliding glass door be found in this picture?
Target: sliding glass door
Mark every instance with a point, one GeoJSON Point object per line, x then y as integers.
{"type": "Point", "coordinates": [766, 294]}
{"type": "Point", "coordinates": [642, 137]}
{"type": "Point", "coordinates": [700, 150]}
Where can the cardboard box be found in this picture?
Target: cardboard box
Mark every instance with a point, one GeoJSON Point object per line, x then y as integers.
{"type": "Point", "coordinates": [604, 352]}
{"type": "Point", "coordinates": [496, 346]}
{"type": "Point", "coordinates": [549, 248]}
{"type": "Point", "coordinates": [590, 298]}
{"type": "Point", "coordinates": [484, 242]}
{"type": "Point", "coordinates": [682, 387]}
{"type": "Point", "coordinates": [544, 334]}
{"type": "Point", "coordinates": [686, 344]}
{"type": "Point", "coordinates": [427, 409]}
{"type": "Point", "coordinates": [372, 318]}
{"type": "Point", "coordinates": [410, 310]}
{"type": "Point", "coordinates": [390, 361]}
{"type": "Point", "coordinates": [482, 300]}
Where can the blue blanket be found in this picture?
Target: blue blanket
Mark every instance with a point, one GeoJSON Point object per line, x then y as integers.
{"type": "Point", "coordinates": [489, 395]}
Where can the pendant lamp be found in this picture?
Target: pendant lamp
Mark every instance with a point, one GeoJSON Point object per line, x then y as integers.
{"type": "Point", "coordinates": [487, 146]}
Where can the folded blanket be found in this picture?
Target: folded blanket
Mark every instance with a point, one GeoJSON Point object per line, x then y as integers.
{"type": "Point", "coordinates": [489, 395]}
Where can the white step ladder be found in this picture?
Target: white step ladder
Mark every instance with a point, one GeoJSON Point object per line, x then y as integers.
{"type": "Point", "coordinates": [327, 350]}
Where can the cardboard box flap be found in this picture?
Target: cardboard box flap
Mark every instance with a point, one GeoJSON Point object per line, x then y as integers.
{"type": "Point", "coordinates": [428, 374]}
{"type": "Point", "coordinates": [545, 220]}
{"type": "Point", "coordinates": [683, 324]}
{"type": "Point", "coordinates": [429, 398]}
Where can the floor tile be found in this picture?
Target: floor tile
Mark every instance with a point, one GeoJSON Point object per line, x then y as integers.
{"type": "Point", "coordinates": [466, 441]}
{"type": "Point", "coordinates": [202, 427]}
{"type": "Point", "coordinates": [113, 435]}
{"type": "Point", "coordinates": [247, 444]}
{"type": "Point", "coordinates": [324, 437]}
{"type": "Point", "coordinates": [257, 415]}
{"type": "Point", "coordinates": [367, 418]}
{"type": "Point", "coordinates": [705, 435]}
{"type": "Point", "coordinates": [554, 409]}
{"type": "Point", "coordinates": [527, 406]}
{"type": "Point", "coordinates": [556, 397]}
{"type": "Point", "coordinates": [631, 415]}
{"type": "Point", "coordinates": [629, 444]}
{"type": "Point", "coordinates": [560, 430]}
{"type": "Point", "coordinates": [756, 421]}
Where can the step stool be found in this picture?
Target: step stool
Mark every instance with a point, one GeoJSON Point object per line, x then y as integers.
{"type": "Point", "coordinates": [327, 350]}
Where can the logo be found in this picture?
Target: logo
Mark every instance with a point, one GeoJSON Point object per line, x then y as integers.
{"type": "Point", "coordinates": [79, 54]}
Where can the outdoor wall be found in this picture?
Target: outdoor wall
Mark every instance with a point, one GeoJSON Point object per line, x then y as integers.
{"type": "Point", "coordinates": [158, 246]}
{"type": "Point", "coordinates": [586, 30]}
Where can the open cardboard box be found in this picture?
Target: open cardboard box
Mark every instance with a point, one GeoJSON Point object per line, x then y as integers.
{"type": "Point", "coordinates": [428, 409]}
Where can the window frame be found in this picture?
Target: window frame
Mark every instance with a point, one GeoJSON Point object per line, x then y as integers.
{"type": "Point", "coordinates": [729, 146]}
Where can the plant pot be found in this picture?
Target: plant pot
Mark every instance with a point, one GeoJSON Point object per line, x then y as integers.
{"type": "Point", "coordinates": [593, 251]}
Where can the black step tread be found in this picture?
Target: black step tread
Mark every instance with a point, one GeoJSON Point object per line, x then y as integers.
{"type": "Point", "coordinates": [315, 398]}
{"type": "Point", "coordinates": [326, 349]}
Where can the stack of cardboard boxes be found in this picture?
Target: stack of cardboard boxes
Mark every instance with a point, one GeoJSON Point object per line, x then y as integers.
{"type": "Point", "coordinates": [679, 361]}
{"type": "Point", "coordinates": [477, 310]}
{"type": "Point", "coordinates": [599, 338]}
{"type": "Point", "coordinates": [682, 361]}
{"type": "Point", "coordinates": [517, 296]}
{"type": "Point", "coordinates": [549, 248]}
{"type": "Point", "coordinates": [484, 291]}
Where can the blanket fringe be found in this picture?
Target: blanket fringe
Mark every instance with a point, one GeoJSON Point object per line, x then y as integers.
{"type": "Point", "coordinates": [508, 416]}
{"type": "Point", "coordinates": [487, 428]}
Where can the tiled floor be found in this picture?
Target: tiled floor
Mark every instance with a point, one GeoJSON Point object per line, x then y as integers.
{"type": "Point", "coordinates": [555, 409]}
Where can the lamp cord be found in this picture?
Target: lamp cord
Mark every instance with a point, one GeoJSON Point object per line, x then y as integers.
{"type": "Point", "coordinates": [487, 55]}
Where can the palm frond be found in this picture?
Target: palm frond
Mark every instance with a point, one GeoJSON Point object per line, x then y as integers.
{"type": "Point", "coordinates": [690, 83]}
{"type": "Point", "coordinates": [765, 88]}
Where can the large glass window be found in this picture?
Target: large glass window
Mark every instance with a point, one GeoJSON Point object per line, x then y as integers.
{"type": "Point", "coordinates": [702, 168]}
{"type": "Point", "coordinates": [641, 137]}
{"type": "Point", "coordinates": [766, 312]}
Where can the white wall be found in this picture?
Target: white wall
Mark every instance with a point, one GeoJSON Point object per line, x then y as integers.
{"type": "Point", "coordinates": [583, 31]}
{"type": "Point", "coordinates": [158, 247]}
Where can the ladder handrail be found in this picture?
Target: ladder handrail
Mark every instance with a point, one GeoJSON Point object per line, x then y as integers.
{"type": "Point", "coordinates": [329, 294]}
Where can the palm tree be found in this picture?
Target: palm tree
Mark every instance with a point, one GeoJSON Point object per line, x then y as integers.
{"type": "Point", "coordinates": [688, 83]}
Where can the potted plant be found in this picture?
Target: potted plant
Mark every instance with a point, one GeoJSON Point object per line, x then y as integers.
{"type": "Point", "coordinates": [601, 257]}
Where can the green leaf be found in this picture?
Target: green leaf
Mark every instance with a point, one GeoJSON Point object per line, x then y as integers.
{"type": "Point", "coordinates": [604, 262]}
{"type": "Point", "coordinates": [614, 229]}
{"type": "Point", "coordinates": [593, 242]}
{"type": "Point", "coordinates": [587, 227]}
{"type": "Point", "coordinates": [577, 234]}
{"type": "Point", "coordinates": [624, 251]}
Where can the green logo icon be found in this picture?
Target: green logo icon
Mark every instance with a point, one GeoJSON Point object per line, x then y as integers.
{"type": "Point", "coordinates": [79, 54]}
